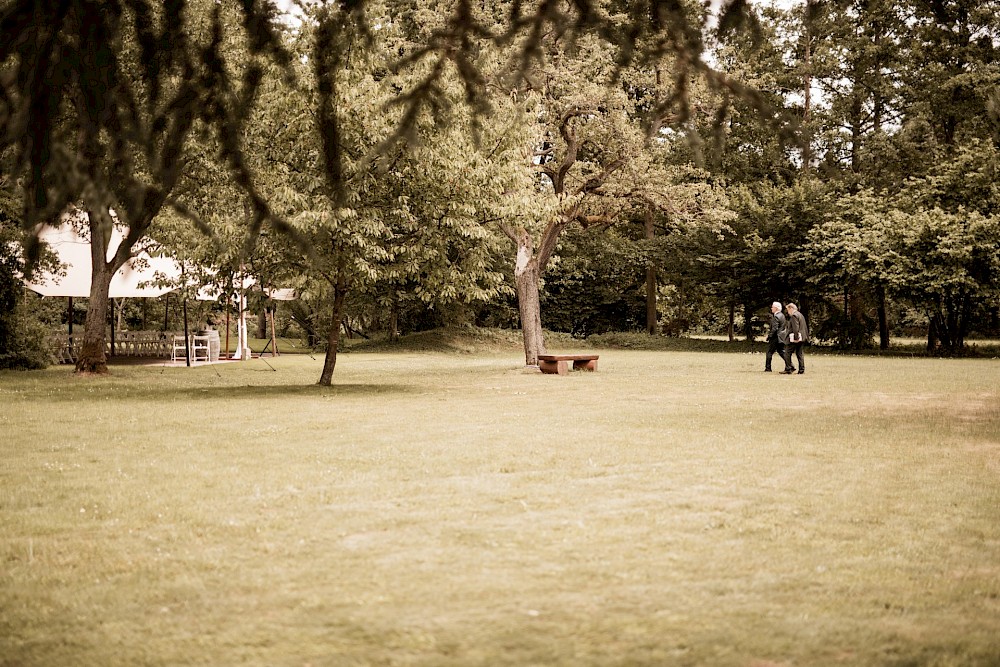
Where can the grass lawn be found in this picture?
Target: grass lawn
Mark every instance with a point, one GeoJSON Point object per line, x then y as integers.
{"type": "Point", "coordinates": [433, 509]}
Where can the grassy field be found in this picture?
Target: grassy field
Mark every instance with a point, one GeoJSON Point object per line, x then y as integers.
{"type": "Point", "coordinates": [447, 508]}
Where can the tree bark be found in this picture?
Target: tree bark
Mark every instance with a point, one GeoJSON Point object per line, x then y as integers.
{"type": "Point", "coordinates": [526, 277]}
{"type": "Point", "coordinates": [93, 358]}
{"type": "Point", "coordinates": [883, 318]}
{"type": "Point", "coordinates": [394, 319]}
{"type": "Point", "coordinates": [845, 325]}
{"type": "Point", "coordinates": [856, 120]}
{"type": "Point", "coordinates": [333, 339]}
{"type": "Point", "coordinates": [262, 323]}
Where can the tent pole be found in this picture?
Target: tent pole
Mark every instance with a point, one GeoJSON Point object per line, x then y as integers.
{"type": "Point", "coordinates": [274, 336]}
{"type": "Point", "coordinates": [112, 326]}
{"type": "Point", "coordinates": [187, 339]}
{"type": "Point", "coordinates": [244, 345]}
{"type": "Point", "coordinates": [69, 316]}
{"type": "Point", "coordinates": [227, 330]}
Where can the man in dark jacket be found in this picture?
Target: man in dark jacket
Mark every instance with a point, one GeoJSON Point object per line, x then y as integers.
{"type": "Point", "coordinates": [798, 336]}
{"type": "Point", "coordinates": [776, 335]}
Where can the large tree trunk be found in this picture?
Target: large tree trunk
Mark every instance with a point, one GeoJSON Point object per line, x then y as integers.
{"type": "Point", "coordinates": [333, 339]}
{"type": "Point", "coordinates": [93, 358]}
{"type": "Point", "coordinates": [883, 318]}
{"type": "Point", "coordinates": [262, 323]}
{"type": "Point", "coordinates": [748, 322]}
{"type": "Point", "coordinates": [846, 322]}
{"type": "Point", "coordinates": [526, 276]}
{"type": "Point", "coordinates": [932, 333]}
{"type": "Point", "coordinates": [857, 111]}
{"type": "Point", "coordinates": [394, 319]}
{"type": "Point", "coordinates": [951, 322]}
{"type": "Point", "coordinates": [652, 316]}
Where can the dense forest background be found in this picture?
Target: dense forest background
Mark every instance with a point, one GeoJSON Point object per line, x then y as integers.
{"type": "Point", "coordinates": [409, 165]}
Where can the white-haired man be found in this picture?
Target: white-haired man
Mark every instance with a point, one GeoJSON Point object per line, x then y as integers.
{"type": "Point", "coordinates": [776, 335]}
{"type": "Point", "coordinates": [798, 336]}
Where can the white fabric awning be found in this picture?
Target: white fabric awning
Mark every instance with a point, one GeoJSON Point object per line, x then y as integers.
{"type": "Point", "coordinates": [214, 292]}
{"type": "Point", "coordinates": [73, 252]}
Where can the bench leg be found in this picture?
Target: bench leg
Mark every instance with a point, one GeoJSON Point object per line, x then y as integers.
{"type": "Point", "coordinates": [560, 367]}
{"type": "Point", "coordinates": [585, 365]}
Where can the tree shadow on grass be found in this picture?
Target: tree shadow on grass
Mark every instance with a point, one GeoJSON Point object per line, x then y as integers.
{"type": "Point", "coordinates": [313, 390]}
{"type": "Point", "coordinates": [123, 393]}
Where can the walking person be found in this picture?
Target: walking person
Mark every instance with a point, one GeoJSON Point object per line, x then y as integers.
{"type": "Point", "coordinates": [776, 335]}
{"type": "Point", "coordinates": [798, 336]}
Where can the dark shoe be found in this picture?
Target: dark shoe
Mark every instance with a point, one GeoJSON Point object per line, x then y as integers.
{"type": "Point", "coordinates": [767, 370]}
{"type": "Point", "coordinates": [787, 372]}
{"type": "Point", "coordinates": [801, 372]}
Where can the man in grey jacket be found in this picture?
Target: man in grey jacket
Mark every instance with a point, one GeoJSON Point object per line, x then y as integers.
{"type": "Point", "coordinates": [776, 336]}
{"type": "Point", "coordinates": [798, 336]}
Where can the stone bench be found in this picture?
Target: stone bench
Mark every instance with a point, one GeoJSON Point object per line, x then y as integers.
{"type": "Point", "coordinates": [559, 363]}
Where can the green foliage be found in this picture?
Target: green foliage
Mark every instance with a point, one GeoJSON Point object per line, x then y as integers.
{"type": "Point", "coordinates": [100, 98]}
{"type": "Point", "coordinates": [936, 245]}
{"type": "Point", "coordinates": [364, 138]}
{"type": "Point", "coordinates": [22, 333]}
{"type": "Point", "coordinates": [388, 227]}
{"type": "Point", "coordinates": [947, 263]}
{"type": "Point", "coordinates": [596, 285]}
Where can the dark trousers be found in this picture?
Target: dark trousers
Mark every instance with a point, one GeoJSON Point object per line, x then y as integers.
{"type": "Point", "coordinates": [773, 345]}
{"type": "Point", "coordinates": [796, 349]}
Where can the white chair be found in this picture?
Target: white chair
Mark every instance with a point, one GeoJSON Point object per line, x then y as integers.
{"type": "Point", "coordinates": [200, 348]}
{"type": "Point", "coordinates": [178, 350]}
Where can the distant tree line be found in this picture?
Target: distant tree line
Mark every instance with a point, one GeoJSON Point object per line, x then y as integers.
{"type": "Point", "coordinates": [584, 166]}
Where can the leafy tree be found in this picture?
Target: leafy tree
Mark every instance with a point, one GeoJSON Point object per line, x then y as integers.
{"type": "Point", "coordinates": [22, 333]}
{"type": "Point", "coordinates": [585, 140]}
{"type": "Point", "coordinates": [947, 264]}
{"type": "Point", "coordinates": [949, 244]}
{"type": "Point", "coordinates": [595, 284]}
{"type": "Point", "coordinates": [597, 164]}
{"type": "Point", "coordinates": [936, 245]}
{"type": "Point", "coordinates": [863, 46]}
{"type": "Point", "coordinates": [99, 99]}
{"type": "Point", "coordinates": [953, 67]}
{"type": "Point", "coordinates": [848, 255]}
{"type": "Point", "coordinates": [406, 222]}
{"type": "Point", "coordinates": [748, 148]}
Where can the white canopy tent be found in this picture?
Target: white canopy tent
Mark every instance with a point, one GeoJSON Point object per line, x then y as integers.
{"type": "Point", "coordinates": [142, 276]}
{"type": "Point", "coordinates": [136, 278]}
